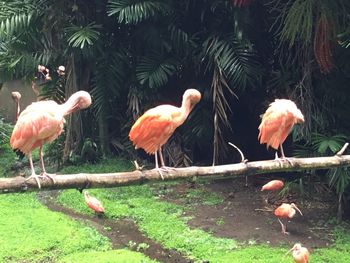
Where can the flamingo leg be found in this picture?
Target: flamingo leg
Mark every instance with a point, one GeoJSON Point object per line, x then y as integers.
{"type": "Point", "coordinates": [163, 167]}
{"type": "Point", "coordinates": [44, 173]}
{"type": "Point", "coordinates": [157, 166]}
{"type": "Point", "coordinates": [33, 175]}
{"type": "Point", "coordinates": [161, 157]}
{"type": "Point", "coordinates": [284, 227]}
{"type": "Point", "coordinates": [283, 157]}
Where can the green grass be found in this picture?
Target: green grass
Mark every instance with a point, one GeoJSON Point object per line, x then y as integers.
{"type": "Point", "coordinates": [165, 223]}
{"type": "Point", "coordinates": [7, 158]}
{"type": "Point", "coordinates": [104, 166]}
{"type": "Point", "coordinates": [113, 256]}
{"type": "Point", "coordinates": [32, 233]}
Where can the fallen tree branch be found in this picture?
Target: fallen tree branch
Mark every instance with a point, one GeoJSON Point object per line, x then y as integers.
{"type": "Point", "coordinates": [84, 180]}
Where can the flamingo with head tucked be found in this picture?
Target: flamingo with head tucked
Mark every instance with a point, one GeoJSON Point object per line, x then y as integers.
{"type": "Point", "coordinates": [42, 122]}
{"type": "Point", "coordinates": [277, 122]}
{"type": "Point", "coordinates": [153, 129]}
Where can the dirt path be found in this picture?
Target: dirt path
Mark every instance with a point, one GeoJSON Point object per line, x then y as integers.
{"type": "Point", "coordinates": [120, 232]}
{"type": "Point", "coordinates": [243, 216]}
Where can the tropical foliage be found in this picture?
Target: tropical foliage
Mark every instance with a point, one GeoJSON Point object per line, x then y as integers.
{"type": "Point", "coordinates": [134, 54]}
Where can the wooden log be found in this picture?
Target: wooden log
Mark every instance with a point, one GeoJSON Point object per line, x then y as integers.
{"type": "Point", "coordinates": [85, 180]}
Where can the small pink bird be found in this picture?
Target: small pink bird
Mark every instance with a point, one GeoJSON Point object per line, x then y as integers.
{"type": "Point", "coordinates": [93, 203]}
{"type": "Point", "coordinates": [286, 211]}
{"type": "Point", "coordinates": [300, 254]}
{"type": "Point", "coordinates": [42, 122]}
{"type": "Point", "coordinates": [153, 129]}
{"type": "Point", "coordinates": [273, 185]}
{"type": "Point", "coordinates": [277, 122]}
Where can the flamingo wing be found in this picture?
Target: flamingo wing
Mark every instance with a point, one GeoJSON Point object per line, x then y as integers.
{"type": "Point", "coordinates": [275, 127]}
{"type": "Point", "coordinates": [95, 205]}
{"type": "Point", "coordinates": [152, 130]}
{"type": "Point", "coordinates": [35, 127]}
{"type": "Point", "coordinates": [282, 211]}
{"type": "Point", "coordinates": [273, 185]}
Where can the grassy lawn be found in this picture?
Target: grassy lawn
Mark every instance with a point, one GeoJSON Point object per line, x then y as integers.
{"type": "Point", "coordinates": [32, 233]}
{"type": "Point", "coordinates": [164, 223]}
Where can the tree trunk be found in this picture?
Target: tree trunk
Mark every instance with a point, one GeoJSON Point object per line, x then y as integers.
{"type": "Point", "coordinates": [74, 132]}
{"type": "Point", "coordinates": [103, 132]}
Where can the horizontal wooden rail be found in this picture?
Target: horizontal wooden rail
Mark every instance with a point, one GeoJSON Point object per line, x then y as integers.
{"type": "Point", "coordinates": [85, 180]}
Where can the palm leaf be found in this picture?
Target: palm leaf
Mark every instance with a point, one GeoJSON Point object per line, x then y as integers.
{"type": "Point", "coordinates": [81, 36]}
{"type": "Point", "coordinates": [136, 11]}
{"type": "Point", "coordinates": [109, 78]}
{"type": "Point", "coordinates": [236, 59]}
{"type": "Point", "coordinates": [155, 70]}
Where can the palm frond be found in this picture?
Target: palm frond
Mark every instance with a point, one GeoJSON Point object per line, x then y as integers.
{"type": "Point", "coordinates": [220, 107]}
{"type": "Point", "coordinates": [181, 41]}
{"type": "Point", "coordinates": [323, 143]}
{"type": "Point", "coordinates": [110, 73]}
{"type": "Point", "coordinates": [155, 69]}
{"type": "Point", "coordinates": [81, 36]}
{"type": "Point", "coordinates": [344, 39]}
{"type": "Point", "coordinates": [136, 11]}
{"type": "Point", "coordinates": [236, 59]}
{"type": "Point", "coordinates": [15, 24]}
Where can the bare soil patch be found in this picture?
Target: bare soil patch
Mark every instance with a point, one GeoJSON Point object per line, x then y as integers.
{"type": "Point", "coordinates": [245, 217]}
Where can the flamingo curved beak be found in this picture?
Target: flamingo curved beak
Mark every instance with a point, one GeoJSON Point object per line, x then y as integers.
{"type": "Point", "coordinates": [296, 208]}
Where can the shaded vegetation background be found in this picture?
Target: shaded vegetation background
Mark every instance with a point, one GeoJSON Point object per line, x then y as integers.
{"type": "Point", "coordinates": [135, 54]}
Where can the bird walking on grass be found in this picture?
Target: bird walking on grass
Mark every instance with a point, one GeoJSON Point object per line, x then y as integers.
{"type": "Point", "coordinates": [300, 254]}
{"type": "Point", "coordinates": [42, 122]}
{"type": "Point", "coordinates": [153, 129]}
{"type": "Point", "coordinates": [285, 212]}
{"type": "Point", "coordinates": [93, 203]}
{"type": "Point", "coordinates": [277, 122]}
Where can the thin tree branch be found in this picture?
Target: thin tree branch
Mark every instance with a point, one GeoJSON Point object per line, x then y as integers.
{"type": "Point", "coordinates": [84, 180]}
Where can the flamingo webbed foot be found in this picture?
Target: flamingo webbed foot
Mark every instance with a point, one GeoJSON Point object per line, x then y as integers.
{"type": "Point", "coordinates": [47, 175]}
{"type": "Point", "coordinates": [42, 175]}
{"type": "Point", "coordinates": [282, 159]}
{"type": "Point", "coordinates": [165, 169]}
{"type": "Point", "coordinates": [36, 178]}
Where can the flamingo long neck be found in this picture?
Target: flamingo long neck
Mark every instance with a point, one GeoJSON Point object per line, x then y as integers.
{"type": "Point", "coordinates": [17, 110]}
{"type": "Point", "coordinates": [70, 105]}
{"type": "Point", "coordinates": [185, 108]}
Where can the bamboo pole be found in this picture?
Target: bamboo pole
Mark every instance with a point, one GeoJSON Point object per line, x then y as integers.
{"type": "Point", "coordinates": [85, 180]}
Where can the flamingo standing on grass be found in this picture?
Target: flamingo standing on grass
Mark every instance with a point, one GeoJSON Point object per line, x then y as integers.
{"type": "Point", "coordinates": [93, 203]}
{"type": "Point", "coordinates": [300, 254]}
{"type": "Point", "coordinates": [277, 122]}
{"type": "Point", "coordinates": [42, 122]}
{"type": "Point", "coordinates": [153, 129]}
